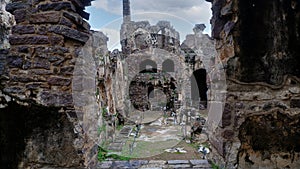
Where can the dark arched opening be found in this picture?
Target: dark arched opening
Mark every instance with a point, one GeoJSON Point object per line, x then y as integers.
{"type": "Point", "coordinates": [148, 66]}
{"type": "Point", "coordinates": [199, 87]}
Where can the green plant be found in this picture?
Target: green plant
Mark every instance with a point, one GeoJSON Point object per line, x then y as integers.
{"type": "Point", "coordinates": [103, 154]}
{"type": "Point", "coordinates": [119, 127]}
{"type": "Point", "coordinates": [104, 111]}
{"type": "Point", "coordinates": [97, 92]}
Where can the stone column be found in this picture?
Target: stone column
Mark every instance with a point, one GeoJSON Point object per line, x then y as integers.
{"type": "Point", "coordinates": [126, 11]}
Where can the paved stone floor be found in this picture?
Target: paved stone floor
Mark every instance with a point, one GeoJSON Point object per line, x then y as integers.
{"type": "Point", "coordinates": [154, 164]}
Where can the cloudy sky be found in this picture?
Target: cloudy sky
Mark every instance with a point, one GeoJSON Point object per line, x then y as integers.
{"type": "Point", "coordinates": [106, 15]}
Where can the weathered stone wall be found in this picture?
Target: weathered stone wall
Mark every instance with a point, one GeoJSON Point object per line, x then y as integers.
{"type": "Point", "coordinates": [37, 80]}
{"type": "Point", "coordinates": [258, 43]}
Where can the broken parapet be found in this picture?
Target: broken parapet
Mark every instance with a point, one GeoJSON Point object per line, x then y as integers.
{"type": "Point", "coordinates": [141, 35]}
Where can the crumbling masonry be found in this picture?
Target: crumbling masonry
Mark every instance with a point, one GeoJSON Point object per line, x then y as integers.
{"type": "Point", "coordinates": [43, 114]}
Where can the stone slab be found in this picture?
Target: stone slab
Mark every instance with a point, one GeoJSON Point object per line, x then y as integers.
{"type": "Point", "coordinates": [180, 166]}
{"type": "Point", "coordinates": [199, 162]}
{"type": "Point", "coordinates": [171, 162]}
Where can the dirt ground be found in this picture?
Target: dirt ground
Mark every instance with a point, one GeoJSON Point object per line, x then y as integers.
{"type": "Point", "coordinates": [191, 153]}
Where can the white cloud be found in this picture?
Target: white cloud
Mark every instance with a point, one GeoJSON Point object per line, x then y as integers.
{"type": "Point", "coordinates": [196, 11]}
{"type": "Point", "coordinates": [183, 14]}
{"type": "Point", "coordinates": [114, 37]}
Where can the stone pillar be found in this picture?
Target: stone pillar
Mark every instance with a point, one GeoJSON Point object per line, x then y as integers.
{"type": "Point", "coordinates": [126, 11]}
{"type": "Point", "coordinates": [38, 75]}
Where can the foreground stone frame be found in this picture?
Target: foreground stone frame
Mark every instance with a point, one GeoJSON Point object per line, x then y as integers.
{"type": "Point", "coordinates": [36, 82]}
{"type": "Point", "coordinates": [257, 43]}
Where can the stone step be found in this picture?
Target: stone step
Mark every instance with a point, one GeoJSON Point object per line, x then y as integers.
{"type": "Point", "coordinates": [161, 164]}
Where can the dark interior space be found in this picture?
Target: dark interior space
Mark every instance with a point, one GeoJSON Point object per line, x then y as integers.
{"type": "Point", "coordinates": [19, 124]}
{"type": "Point", "coordinates": [269, 41]}
{"type": "Point", "coordinates": [199, 86]}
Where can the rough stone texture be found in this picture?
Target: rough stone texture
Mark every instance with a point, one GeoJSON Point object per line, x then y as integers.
{"type": "Point", "coordinates": [258, 43]}
{"type": "Point", "coordinates": [36, 72]}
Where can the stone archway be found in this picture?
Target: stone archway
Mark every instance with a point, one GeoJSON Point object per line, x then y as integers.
{"type": "Point", "coordinates": [146, 82]}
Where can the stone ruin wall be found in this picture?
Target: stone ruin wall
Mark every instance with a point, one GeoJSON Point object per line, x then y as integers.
{"type": "Point", "coordinates": [262, 105]}
{"type": "Point", "coordinates": [47, 42]}
{"type": "Point", "coordinates": [258, 43]}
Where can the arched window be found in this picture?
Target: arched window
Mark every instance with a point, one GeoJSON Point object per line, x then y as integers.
{"type": "Point", "coordinates": [168, 66]}
{"type": "Point", "coordinates": [148, 66]}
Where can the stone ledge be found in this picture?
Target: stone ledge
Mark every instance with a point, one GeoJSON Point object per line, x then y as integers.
{"type": "Point", "coordinates": [69, 33]}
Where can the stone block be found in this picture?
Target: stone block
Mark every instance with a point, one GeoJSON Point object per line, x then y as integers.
{"type": "Point", "coordinates": [56, 40]}
{"type": "Point", "coordinates": [173, 162]}
{"type": "Point", "coordinates": [23, 49]}
{"type": "Point", "coordinates": [15, 61]}
{"type": "Point", "coordinates": [41, 72]}
{"type": "Point", "coordinates": [57, 6]}
{"type": "Point", "coordinates": [67, 70]}
{"type": "Point", "coordinates": [14, 89]}
{"type": "Point", "coordinates": [41, 63]}
{"type": "Point", "coordinates": [78, 3]}
{"type": "Point", "coordinates": [77, 20]}
{"type": "Point", "coordinates": [104, 165]}
{"type": "Point", "coordinates": [59, 81]}
{"type": "Point", "coordinates": [23, 29]}
{"type": "Point", "coordinates": [35, 85]}
{"type": "Point", "coordinates": [84, 14]}
{"type": "Point", "coordinates": [20, 15]}
{"type": "Point", "coordinates": [161, 162]}
{"type": "Point", "coordinates": [180, 166]}
{"type": "Point", "coordinates": [45, 17]}
{"type": "Point", "coordinates": [199, 162]}
{"type": "Point", "coordinates": [41, 30]}
{"type": "Point", "coordinates": [22, 79]}
{"type": "Point", "coordinates": [28, 39]}
{"type": "Point", "coordinates": [49, 98]}
{"type": "Point", "coordinates": [70, 33]}
{"type": "Point", "coordinates": [121, 164]}
{"type": "Point", "coordinates": [11, 7]}
{"type": "Point", "coordinates": [138, 163]}
{"type": "Point", "coordinates": [65, 21]}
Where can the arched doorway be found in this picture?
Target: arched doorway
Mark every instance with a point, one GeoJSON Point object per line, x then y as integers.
{"type": "Point", "coordinates": [199, 88]}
